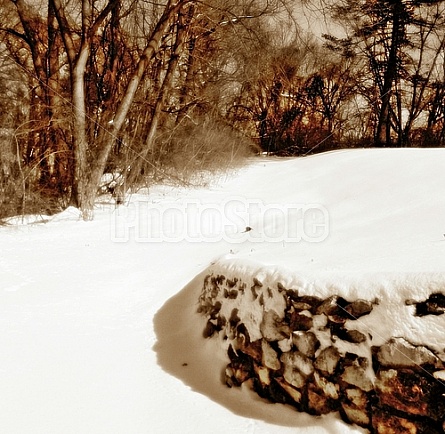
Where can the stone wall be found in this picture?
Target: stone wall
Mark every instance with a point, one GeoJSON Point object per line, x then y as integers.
{"type": "Point", "coordinates": [311, 353]}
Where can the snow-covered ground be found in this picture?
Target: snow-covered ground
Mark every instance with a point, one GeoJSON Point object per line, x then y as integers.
{"type": "Point", "coordinates": [98, 331]}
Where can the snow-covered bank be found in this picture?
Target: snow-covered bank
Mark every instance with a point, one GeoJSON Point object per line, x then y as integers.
{"type": "Point", "coordinates": [95, 329]}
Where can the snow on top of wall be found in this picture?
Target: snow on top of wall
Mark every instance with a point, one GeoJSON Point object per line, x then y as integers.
{"type": "Point", "coordinates": [382, 211]}
{"type": "Point", "coordinates": [391, 317]}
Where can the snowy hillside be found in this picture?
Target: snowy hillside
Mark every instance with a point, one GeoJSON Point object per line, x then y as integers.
{"type": "Point", "coordinates": [98, 324]}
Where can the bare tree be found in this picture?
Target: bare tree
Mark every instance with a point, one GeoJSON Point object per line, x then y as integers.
{"type": "Point", "coordinates": [77, 49]}
{"type": "Point", "coordinates": [119, 77]}
{"type": "Point", "coordinates": [401, 42]}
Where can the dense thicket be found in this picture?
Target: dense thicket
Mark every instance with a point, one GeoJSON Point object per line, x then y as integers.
{"type": "Point", "coordinates": [150, 90]}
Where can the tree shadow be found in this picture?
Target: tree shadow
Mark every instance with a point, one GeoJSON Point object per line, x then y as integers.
{"type": "Point", "coordinates": [199, 363]}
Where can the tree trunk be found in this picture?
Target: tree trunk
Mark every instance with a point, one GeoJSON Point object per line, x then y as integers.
{"type": "Point", "coordinates": [81, 197]}
{"type": "Point", "coordinates": [189, 72]}
{"type": "Point", "coordinates": [383, 134]}
{"type": "Point", "coordinates": [38, 143]}
{"type": "Point", "coordinates": [183, 22]}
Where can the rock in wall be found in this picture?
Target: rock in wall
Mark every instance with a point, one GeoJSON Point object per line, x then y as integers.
{"type": "Point", "coordinates": [312, 353]}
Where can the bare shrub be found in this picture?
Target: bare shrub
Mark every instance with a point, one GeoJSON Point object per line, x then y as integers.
{"type": "Point", "coordinates": [18, 198]}
{"type": "Point", "coordinates": [20, 193]}
{"type": "Point", "coordinates": [11, 187]}
{"type": "Point", "coordinates": [192, 153]}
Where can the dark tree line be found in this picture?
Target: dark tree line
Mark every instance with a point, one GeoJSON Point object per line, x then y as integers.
{"type": "Point", "coordinates": [150, 90]}
{"type": "Point", "coordinates": [400, 46]}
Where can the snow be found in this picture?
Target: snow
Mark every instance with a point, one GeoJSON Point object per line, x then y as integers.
{"type": "Point", "coordinates": [98, 329]}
